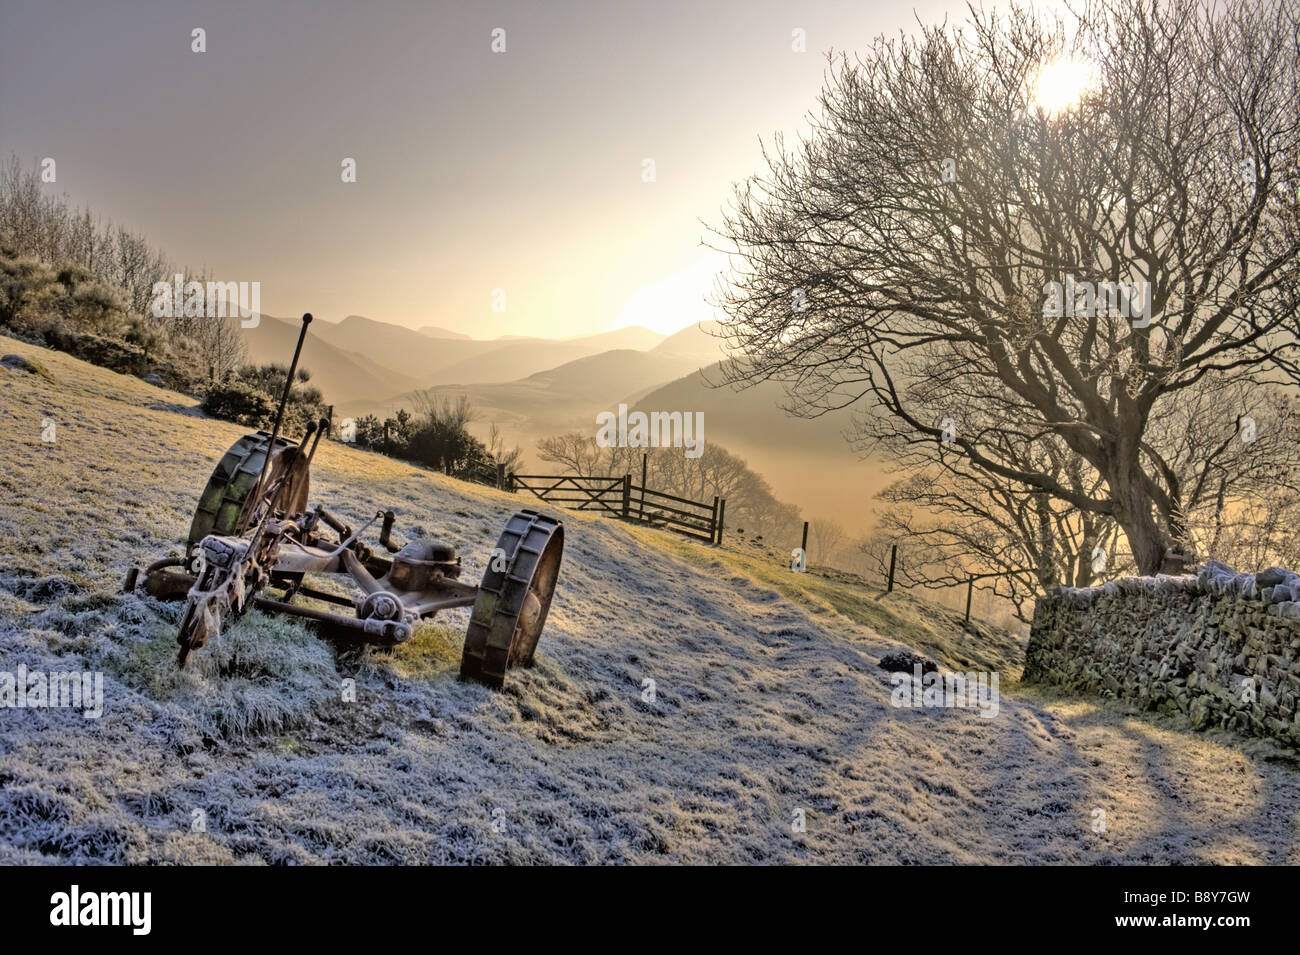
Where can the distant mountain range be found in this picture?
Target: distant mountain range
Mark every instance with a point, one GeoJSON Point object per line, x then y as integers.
{"type": "Point", "coordinates": [359, 359]}
{"type": "Point", "coordinates": [433, 331]}
{"type": "Point", "coordinates": [532, 388]}
{"type": "Point", "coordinates": [565, 395]}
{"type": "Point", "coordinates": [343, 374]}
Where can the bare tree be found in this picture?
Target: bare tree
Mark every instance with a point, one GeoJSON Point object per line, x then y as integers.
{"type": "Point", "coordinates": [1230, 444]}
{"type": "Point", "coordinates": [903, 254]}
{"type": "Point", "coordinates": [500, 454]}
{"type": "Point", "coordinates": [220, 346]}
{"type": "Point", "coordinates": [825, 539]}
{"type": "Point", "coordinates": [1016, 545]}
{"type": "Point", "coordinates": [576, 453]}
{"type": "Point", "coordinates": [454, 413]}
{"type": "Point", "coordinates": [44, 225]}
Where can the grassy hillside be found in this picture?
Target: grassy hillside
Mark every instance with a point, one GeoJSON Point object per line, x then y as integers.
{"type": "Point", "coordinates": [933, 630]}
{"type": "Point", "coordinates": [768, 698]}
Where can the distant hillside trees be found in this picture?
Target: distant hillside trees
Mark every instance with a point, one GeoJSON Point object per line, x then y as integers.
{"type": "Point", "coordinates": [69, 276]}
{"type": "Point", "coordinates": [438, 436]}
{"type": "Point", "coordinates": [43, 225]}
{"type": "Point", "coordinates": [716, 472]}
{"type": "Point", "coordinates": [72, 282]}
{"type": "Point", "coordinates": [827, 540]}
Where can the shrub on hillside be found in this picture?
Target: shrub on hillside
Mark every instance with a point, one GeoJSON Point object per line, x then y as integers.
{"type": "Point", "coordinates": [28, 297]}
{"type": "Point", "coordinates": [240, 403]}
{"type": "Point", "coordinates": [438, 437]}
{"type": "Point", "coordinates": [35, 298]}
{"type": "Point", "coordinates": [441, 438]}
{"type": "Point", "coordinates": [448, 448]}
{"type": "Point", "coordinates": [252, 394]}
{"type": "Point", "coordinates": [89, 304]}
{"type": "Point", "coordinates": [391, 436]}
{"type": "Point", "coordinates": [64, 275]}
{"type": "Point", "coordinates": [108, 353]}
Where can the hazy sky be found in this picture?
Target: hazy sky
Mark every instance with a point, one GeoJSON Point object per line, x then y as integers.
{"type": "Point", "coordinates": [476, 170]}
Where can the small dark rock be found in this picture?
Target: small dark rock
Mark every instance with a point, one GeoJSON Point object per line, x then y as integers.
{"type": "Point", "coordinates": [905, 661]}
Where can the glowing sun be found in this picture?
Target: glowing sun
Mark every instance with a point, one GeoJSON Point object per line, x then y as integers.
{"type": "Point", "coordinates": [1061, 83]}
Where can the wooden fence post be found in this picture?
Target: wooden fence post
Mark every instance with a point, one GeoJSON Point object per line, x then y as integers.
{"type": "Point", "coordinates": [641, 509]}
{"type": "Point", "coordinates": [804, 546]}
{"type": "Point", "coordinates": [970, 589]}
{"type": "Point", "coordinates": [893, 558]}
{"type": "Point", "coordinates": [713, 522]}
{"type": "Point", "coordinates": [627, 495]}
{"type": "Point", "coordinates": [722, 519]}
{"type": "Point", "coordinates": [501, 475]}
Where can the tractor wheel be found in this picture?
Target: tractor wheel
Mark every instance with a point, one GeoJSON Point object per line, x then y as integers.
{"type": "Point", "coordinates": [225, 506]}
{"type": "Point", "coordinates": [513, 599]}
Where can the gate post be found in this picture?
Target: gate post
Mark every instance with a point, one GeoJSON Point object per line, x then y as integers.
{"type": "Point", "coordinates": [627, 495]}
{"type": "Point", "coordinates": [641, 509]}
{"type": "Point", "coordinates": [893, 557]}
{"type": "Point", "coordinates": [722, 519]}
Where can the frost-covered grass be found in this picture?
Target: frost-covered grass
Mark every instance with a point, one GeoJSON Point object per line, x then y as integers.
{"type": "Point", "coordinates": [917, 622]}
{"type": "Point", "coordinates": [768, 698]}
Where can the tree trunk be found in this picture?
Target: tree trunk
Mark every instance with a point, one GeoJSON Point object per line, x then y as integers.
{"type": "Point", "coordinates": [1154, 550]}
{"type": "Point", "coordinates": [1048, 577]}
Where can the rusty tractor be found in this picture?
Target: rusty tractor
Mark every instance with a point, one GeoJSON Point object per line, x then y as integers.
{"type": "Point", "coordinates": [253, 533]}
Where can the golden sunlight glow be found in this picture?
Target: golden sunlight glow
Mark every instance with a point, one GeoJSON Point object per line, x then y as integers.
{"type": "Point", "coordinates": [1061, 83]}
{"type": "Point", "coordinates": [675, 301]}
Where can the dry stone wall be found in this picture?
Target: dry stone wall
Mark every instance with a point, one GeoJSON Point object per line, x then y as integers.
{"type": "Point", "coordinates": [1223, 648]}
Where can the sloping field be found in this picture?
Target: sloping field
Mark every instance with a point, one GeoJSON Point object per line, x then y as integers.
{"type": "Point", "coordinates": [769, 704]}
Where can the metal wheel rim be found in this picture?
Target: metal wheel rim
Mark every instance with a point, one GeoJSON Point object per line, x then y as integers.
{"type": "Point", "coordinates": [495, 641]}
